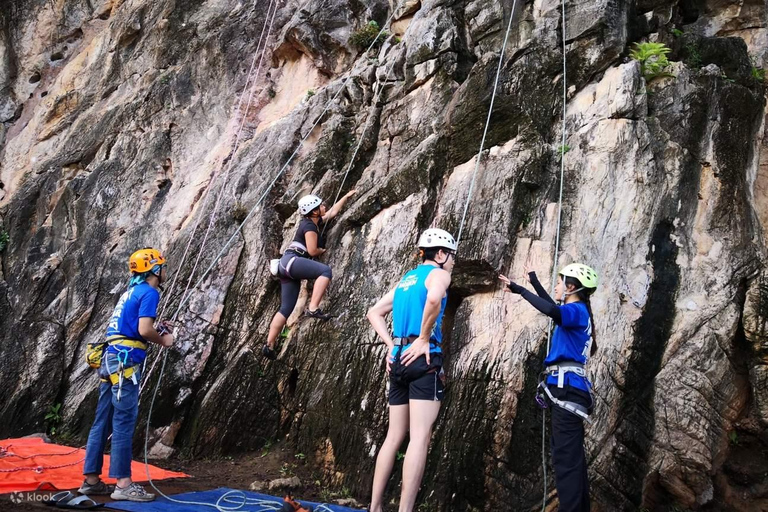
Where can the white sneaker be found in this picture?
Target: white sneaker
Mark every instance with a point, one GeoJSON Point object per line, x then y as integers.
{"type": "Point", "coordinates": [133, 492]}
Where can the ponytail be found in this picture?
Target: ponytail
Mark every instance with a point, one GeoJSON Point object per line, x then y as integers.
{"type": "Point", "coordinates": [583, 295]}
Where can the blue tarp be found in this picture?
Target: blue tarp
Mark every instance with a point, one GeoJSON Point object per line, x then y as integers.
{"type": "Point", "coordinates": [256, 503]}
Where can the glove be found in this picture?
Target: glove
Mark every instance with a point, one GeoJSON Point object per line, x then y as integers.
{"type": "Point", "coordinates": [515, 288]}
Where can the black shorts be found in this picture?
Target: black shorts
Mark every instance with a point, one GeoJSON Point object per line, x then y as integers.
{"type": "Point", "coordinates": [418, 381]}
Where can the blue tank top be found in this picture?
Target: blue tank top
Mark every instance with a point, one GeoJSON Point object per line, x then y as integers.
{"type": "Point", "coordinates": [408, 307]}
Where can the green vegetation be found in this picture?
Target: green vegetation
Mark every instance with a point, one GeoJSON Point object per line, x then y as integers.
{"type": "Point", "coordinates": [652, 58]}
{"type": "Point", "coordinates": [364, 37]}
{"type": "Point", "coordinates": [757, 73]}
{"type": "Point", "coordinates": [4, 239]}
{"type": "Point", "coordinates": [53, 418]}
{"type": "Point", "coordinates": [694, 56]}
{"type": "Point", "coordinates": [265, 449]}
{"type": "Point", "coordinates": [677, 32]}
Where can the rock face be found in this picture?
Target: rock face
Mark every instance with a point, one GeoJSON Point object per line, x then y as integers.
{"type": "Point", "coordinates": [122, 126]}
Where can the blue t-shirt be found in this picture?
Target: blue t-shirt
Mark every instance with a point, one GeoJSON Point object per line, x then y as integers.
{"type": "Point", "coordinates": [408, 308]}
{"type": "Point", "coordinates": [571, 341]}
{"type": "Point", "coordinates": [137, 302]}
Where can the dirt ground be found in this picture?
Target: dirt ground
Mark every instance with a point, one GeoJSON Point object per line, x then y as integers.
{"type": "Point", "coordinates": [234, 472]}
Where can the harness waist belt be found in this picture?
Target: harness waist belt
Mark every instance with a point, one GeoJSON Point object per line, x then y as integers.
{"type": "Point", "coordinates": [298, 247]}
{"type": "Point", "coordinates": [401, 342]}
{"type": "Point", "coordinates": [126, 342]}
{"type": "Point", "coordinates": [559, 370]}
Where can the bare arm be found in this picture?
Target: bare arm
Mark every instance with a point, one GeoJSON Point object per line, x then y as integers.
{"type": "Point", "coordinates": [311, 238]}
{"type": "Point", "coordinates": [377, 317]}
{"type": "Point", "coordinates": [148, 332]}
{"type": "Point", "coordinates": [336, 208]}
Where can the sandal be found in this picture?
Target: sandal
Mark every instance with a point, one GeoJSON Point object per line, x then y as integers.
{"type": "Point", "coordinates": [79, 503]}
{"type": "Point", "coordinates": [59, 496]}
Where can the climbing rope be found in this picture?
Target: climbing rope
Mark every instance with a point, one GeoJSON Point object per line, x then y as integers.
{"type": "Point", "coordinates": [250, 79]}
{"type": "Point", "coordinates": [557, 249]}
{"type": "Point", "coordinates": [374, 102]}
{"type": "Point", "coordinates": [487, 122]}
{"type": "Point", "coordinates": [185, 298]}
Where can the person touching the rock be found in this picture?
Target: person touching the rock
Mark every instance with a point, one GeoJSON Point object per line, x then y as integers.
{"type": "Point", "coordinates": [567, 387]}
{"type": "Point", "coordinates": [414, 362]}
{"type": "Point", "coordinates": [298, 263]}
{"type": "Point", "coordinates": [119, 360]}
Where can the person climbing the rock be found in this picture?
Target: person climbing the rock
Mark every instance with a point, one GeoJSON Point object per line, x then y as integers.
{"type": "Point", "coordinates": [567, 387]}
{"type": "Point", "coordinates": [298, 263]}
{"type": "Point", "coordinates": [119, 359]}
{"type": "Point", "coordinates": [414, 362]}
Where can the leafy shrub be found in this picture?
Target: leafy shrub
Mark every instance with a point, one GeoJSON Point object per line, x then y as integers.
{"type": "Point", "coordinates": [365, 36]}
{"type": "Point", "coordinates": [652, 58]}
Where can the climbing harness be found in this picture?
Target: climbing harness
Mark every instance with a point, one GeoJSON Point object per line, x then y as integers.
{"type": "Point", "coordinates": [559, 371]}
{"type": "Point", "coordinates": [94, 352]}
{"type": "Point", "coordinates": [123, 371]}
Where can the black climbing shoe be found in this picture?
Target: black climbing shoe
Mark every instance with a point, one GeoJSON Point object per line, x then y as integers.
{"type": "Point", "coordinates": [318, 313]}
{"type": "Point", "coordinates": [269, 353]}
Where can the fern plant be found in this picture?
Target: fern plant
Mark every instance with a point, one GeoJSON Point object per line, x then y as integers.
{"type": "Point", "coordinates": [652, 58]}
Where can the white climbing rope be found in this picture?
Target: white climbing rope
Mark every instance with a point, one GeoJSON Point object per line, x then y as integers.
{"type": "Point", "coordinates": [557, 250]}
{"type": "Point", "coordinates": [487, 122]}
{"type": "Point", "coordinates": [250, 83]}
{"type": "Point", "coordinates": [185, 298]}
{"type": "Point", "coordinates": [374, 102]}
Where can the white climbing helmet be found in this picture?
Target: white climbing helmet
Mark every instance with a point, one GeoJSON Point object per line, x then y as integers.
{"type": "Point", "coordinates": [434, 237]}
{"type": "Point", "coordinates": [309, 203]}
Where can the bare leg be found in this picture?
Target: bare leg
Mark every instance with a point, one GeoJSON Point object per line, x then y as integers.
{"type": "Point", "coordinates": [398, 427]}
{"type": "Point", "coordinates": [278, 322]}
{"type": "Point", "coordinates": [318, 290]}
{"type": "Point", "coordinates": [423, 415]}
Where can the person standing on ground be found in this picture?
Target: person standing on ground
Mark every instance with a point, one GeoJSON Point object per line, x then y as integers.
{"type": "Point", "coordinates": [119, 360]}
{"type": "Point", "coordinates": [414, 362]}
{"type": "Point", "coordinates": [298, 263]}
{"type": "Point", "coordinates": [567, 387]}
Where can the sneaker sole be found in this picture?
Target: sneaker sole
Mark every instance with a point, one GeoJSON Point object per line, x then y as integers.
{"type": "Point", "coordinates": [120, 497]}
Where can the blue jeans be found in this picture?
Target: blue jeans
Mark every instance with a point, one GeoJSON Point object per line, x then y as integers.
{"type": "Point", "coordinates": [116, 417]}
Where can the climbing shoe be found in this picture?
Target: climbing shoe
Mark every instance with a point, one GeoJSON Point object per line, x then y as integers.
{"type": "Point", "coordinates": [318, 313]}
{"type": "Point", "coordinates": [269, 353]}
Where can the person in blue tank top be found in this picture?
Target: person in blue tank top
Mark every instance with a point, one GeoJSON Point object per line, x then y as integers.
{"type": "Point", "coordinates": [130, 328]}
{"type": "Point", "coordinates": [567, 387]}
{"type": "Point", "coordinates": [414, 360]}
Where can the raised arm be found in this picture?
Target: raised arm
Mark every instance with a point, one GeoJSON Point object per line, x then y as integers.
{"type": "Point", "coordinates": [540, 291]}
{"type": "Point", "coordinates": [548, 307]}
{"type": "Point", "coordinates": [336, 208]}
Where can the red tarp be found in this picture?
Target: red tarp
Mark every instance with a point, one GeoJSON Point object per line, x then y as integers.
{"type": "Point", "coordinates": [26, 463]}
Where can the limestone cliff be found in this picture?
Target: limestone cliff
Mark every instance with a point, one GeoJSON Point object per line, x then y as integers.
{"type": "Point", "coordinates": [118, 123]}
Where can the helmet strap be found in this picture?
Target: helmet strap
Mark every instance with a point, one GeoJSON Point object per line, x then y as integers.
{"type": "Point", "coordinates": [566, 293]}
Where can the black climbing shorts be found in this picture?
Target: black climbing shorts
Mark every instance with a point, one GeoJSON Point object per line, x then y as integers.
{"type": "Point", "coordinates": [418, 381]}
